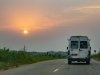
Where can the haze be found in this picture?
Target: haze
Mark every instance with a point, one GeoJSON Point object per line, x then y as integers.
{"type": "Point", "coordinates": [49, 23]}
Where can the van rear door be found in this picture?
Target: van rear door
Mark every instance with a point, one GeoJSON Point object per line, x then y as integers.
{"type": "Point", "coordinates": [74, 51]}
{"type": "Point", "coordinates": [83, 47]}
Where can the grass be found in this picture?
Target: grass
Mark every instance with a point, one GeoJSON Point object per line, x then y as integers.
{"type": "Point", "coordinates": [96, 56]}
{"type": "Point", "coordinates": [10, 59]}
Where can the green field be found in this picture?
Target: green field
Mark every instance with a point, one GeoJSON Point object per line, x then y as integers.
{"type": "Point", "coordinates": [10, 59]}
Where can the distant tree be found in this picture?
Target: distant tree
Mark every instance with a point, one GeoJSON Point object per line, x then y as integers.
{"type": "Point", "coordinates": [8, 50]}
{"type": "Point", "coordinates": [54, 55]}
{"type": "Point", "coordinates": [47, 53]}
{"type": "Point", "coordinates": [4, 48]}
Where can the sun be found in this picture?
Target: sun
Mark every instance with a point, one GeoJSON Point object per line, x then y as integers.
{"type": "Point", "coordinates": [25, 32]}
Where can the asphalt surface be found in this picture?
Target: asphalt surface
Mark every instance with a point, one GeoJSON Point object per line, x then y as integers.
{"type": "Point", "coordinates": [56, 67]}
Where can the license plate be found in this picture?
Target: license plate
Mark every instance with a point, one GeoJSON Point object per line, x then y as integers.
{"type": "Point", "coordinates": [73, 55]}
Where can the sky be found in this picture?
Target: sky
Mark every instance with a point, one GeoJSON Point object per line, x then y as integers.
{"type": "Point", "coordinates": [49, 23]}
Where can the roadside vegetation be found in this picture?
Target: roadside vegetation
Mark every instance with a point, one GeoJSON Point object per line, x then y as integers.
{"type": "Point", "coordinates": [14, 59]}
{"type": "Point", "coordinates": [96, 56]}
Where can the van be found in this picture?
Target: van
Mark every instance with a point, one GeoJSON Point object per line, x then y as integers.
{"type": "Point", "coordinates": [79, 49]}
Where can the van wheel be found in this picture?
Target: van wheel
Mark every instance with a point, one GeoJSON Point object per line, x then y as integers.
{"type": "Point", "coordinates": [69, 62]}
{"type": "Point", "coordinates": [88, 62]}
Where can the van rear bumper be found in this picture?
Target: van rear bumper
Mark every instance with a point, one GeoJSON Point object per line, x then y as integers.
{"type": "Point", "coordinates": [78, 59]}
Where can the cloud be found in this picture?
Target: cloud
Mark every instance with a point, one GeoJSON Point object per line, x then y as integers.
{"type": "Point", "coordinates": [85, 10]}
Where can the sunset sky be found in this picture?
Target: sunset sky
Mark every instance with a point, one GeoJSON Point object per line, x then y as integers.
{"type": "Point", "coordinates": [49, 23]}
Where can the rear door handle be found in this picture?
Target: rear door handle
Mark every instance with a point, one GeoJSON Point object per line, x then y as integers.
{"type": "Point", "coordinates": [80, 50]}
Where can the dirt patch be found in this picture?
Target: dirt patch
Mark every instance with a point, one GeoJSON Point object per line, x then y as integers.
{"type": "Point", "coordinates": [1, 70]}
{"type": "Point", "coordinates": [96, 59]}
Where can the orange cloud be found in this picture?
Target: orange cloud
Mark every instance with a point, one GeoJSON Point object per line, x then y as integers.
{"type": "Point", "coordinates": [88, 9]}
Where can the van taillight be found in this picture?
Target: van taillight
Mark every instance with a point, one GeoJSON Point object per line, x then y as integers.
{"type": "Point", "coordinates": [68, 52]}
{"type": "Point", "coordinates": [89, 53]}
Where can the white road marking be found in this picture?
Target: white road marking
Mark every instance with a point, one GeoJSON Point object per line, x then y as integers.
{"type": "Point", "coordinates": [55, 70]}
{"type": "Point", "coordinates": [65, 62]}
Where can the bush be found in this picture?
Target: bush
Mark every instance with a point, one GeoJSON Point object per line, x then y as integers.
{"type": "Point", "coordinates": [96, 56]}
{"type": "Point", "coordinates": [14, 58]}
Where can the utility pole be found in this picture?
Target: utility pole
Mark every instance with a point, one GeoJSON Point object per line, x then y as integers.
{"type": "Point", "coordinates": [24, 48]}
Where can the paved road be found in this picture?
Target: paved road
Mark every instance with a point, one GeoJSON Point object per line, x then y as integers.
{"type": "Point", "coordinates": [56, 67]}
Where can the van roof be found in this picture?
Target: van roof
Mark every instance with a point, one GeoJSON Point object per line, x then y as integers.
{"type": "Point", "coordinates": [78, 36]}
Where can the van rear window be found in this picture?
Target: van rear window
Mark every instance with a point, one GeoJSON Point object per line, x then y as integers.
{"type": "Point", "coordinates": [83, 44]}
{"type": "Point", "coordinates": [74, 44]}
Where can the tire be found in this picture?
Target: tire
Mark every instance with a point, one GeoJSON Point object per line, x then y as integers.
{"type": "Point", "coordinates": [69, 62]}
{"type": "Point", "coordinates": [87, 62]}
{"type": "Point", "coordinates": [78, 61]}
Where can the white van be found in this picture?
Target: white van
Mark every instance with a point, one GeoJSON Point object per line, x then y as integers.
{"type": "Point", "coordinates": [79, 49]}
